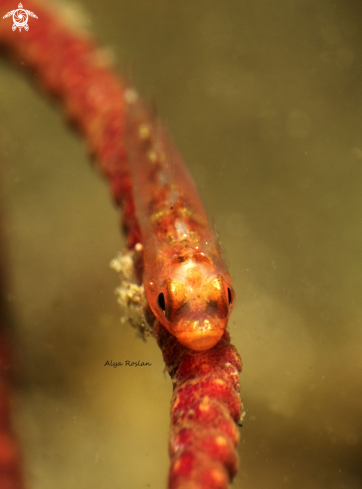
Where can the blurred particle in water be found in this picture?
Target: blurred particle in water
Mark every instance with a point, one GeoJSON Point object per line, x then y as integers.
{"type": "Point", "coordinates": [305, 183]}
{"type": "Point", "coordinates": [271, 124]}
{"type": "Point", "coordinates": [327, 56]}
{"type": "Point", "coordinates": [352, 439]}
{"type": "Point", "coordinates": [75, 15]}
{"type": "Point", "coordinates": [331, 34]}
{"type": "Point", "coordinates": [357, 153]}
{"type": "Point", "coordinates": [344, 58]}
{"type": "Point", "coordinates": [298, 124]}
{"type": "Point", "coordinates": [280, 343]}
{"type": "Point", "coordinates": [215, 29]}
{"type": "Point", "coordinates": [236, 224]}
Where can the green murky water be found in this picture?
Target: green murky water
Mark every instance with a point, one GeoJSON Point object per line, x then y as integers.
{"type": "Point", "coordinates": [264, 100]}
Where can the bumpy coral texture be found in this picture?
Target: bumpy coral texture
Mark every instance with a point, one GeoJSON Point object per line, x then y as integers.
{"type": "Point", "coordinates": [10, 462]}
{"type": "Point", "coordinates": [205, 409]}
{"type": "Point", "coordinates": [206, 406]}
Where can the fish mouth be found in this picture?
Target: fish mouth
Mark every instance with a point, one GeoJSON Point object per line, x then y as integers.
{"type": "Point", "coordinates": [199, 335]}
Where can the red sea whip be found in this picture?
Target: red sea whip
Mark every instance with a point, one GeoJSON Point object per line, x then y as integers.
{"type": "Point", "coordinates": [206, 406]}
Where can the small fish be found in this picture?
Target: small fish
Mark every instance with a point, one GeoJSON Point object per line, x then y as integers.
{"type": "Point", "coordinates": [187, 284]}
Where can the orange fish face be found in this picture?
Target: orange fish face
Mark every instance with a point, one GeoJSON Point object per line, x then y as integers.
{"type": "Point", "coordinates": [194, 303]}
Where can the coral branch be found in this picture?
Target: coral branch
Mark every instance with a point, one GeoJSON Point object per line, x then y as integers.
{"type": "Point", "coordinates": [10, 456]}
{"type": "Point", "coordinates": [10, 460]}
{"type": "Point", "coordinates": [73, 68]}
{"type": "Point", "coordinates": [205, 407]}
{"type": "Point", "coordinates": [205, 410]}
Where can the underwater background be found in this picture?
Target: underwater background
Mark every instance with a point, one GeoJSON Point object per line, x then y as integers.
{"type": "Point", "coordinates": [264, 101]}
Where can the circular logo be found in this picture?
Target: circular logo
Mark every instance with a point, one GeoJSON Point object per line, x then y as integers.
{"type": "Point", "coordinates": [20, 18]}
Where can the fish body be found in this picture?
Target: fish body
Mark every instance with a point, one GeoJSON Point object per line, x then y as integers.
{"type": "Point", "coordinates": [187, 284]}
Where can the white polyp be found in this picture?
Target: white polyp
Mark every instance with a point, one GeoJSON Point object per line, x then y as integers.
{"type": "Point", "coordinates": [130, 96]}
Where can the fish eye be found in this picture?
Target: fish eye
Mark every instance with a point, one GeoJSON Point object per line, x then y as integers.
{"type": "Point", "coordinates": [161, 301]}
{"type": "Point", "coordinates": [230, 297]}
